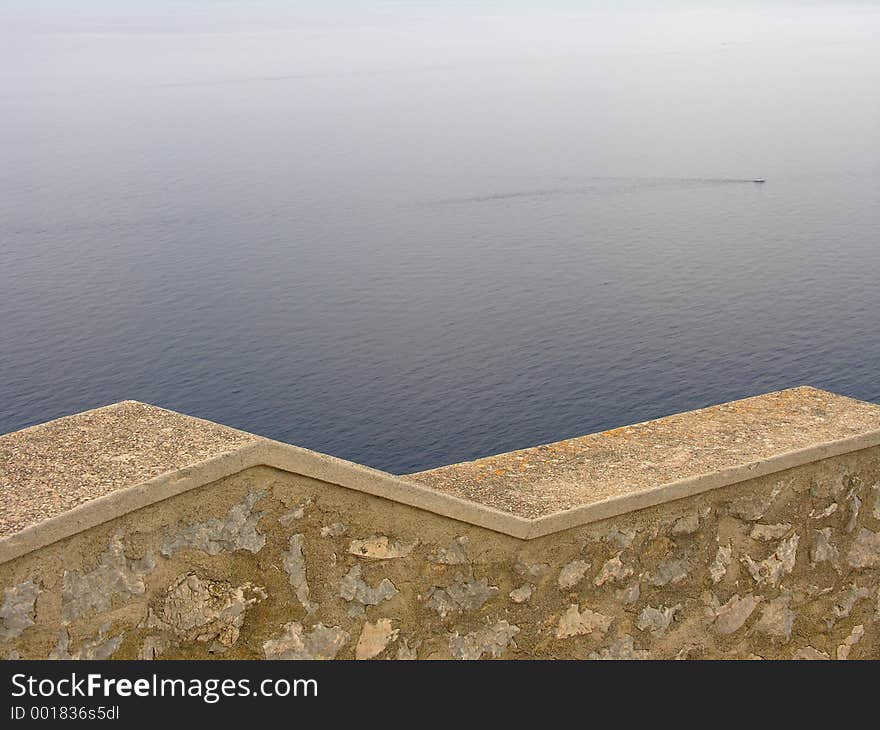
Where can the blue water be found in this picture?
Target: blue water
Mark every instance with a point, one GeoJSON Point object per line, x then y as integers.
{"type": "Point", "coordinates": [413, 235]}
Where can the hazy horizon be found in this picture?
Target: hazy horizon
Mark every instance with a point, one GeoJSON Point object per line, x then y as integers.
{"type": "Point", "coordinates": [408, 235]}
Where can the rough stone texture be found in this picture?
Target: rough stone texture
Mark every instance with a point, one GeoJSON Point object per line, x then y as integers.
{"type": "Point", "coordinates": [97, 647]}
{"type": "Point", "coordinates": [461, 595]}
{"type": "Point", "coordinates": [379, 547]}
{"type": "Point", "coordinates": [730, 616]}
{"type": "Point", "coordinates": [736, 586]}
{"type": "Point", "coordinates": [295, 565]}
{"type": "Point", "coordinates": [566, 474]}
{"type": "Point", "coordinates": [355, 589]}
{"type": "Point", "coordinates": [237, 532]}
{"type": "Point", "coordinates": [572, 573]}
{"type": "Point", "coordinates": [17, 611]}
{"type": "Point", "coordinates": [294, 642]}
{"type": "Point", "coordinates": [865, 551]}
{"type": "Point", "coordinates": [374, 639]}
{"type": "Point", "coordinates": [575, 622]}
{"type": "Point", "coordinates": [197, 609]}
{"type": "Point", "coordinates": [492, 640]}
{"type": "Point", "coordinates": [114, 575]}
{"type": "Point", "coordinates": [48, 469]}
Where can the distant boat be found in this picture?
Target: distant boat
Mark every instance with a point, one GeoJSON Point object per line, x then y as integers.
{"type": "Point", "coordinates": [759, 180]}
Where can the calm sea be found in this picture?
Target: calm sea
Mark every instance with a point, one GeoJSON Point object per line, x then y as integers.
{"type": "Point", "coordinates": [408, 235]}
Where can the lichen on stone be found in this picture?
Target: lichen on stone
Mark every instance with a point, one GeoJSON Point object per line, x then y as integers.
{"type": "Point", "coordinates": [94, 590]}
{"type": "Point", "coordinates": [238, 531]}
{"type": "Point", "coordinates": [18, 610]}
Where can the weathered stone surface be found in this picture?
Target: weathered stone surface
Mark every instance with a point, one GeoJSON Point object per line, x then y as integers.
{"type": "Point", "coordinates": [98, 647]}
{"type": "Point", "coordinates": [687, 524]}
{"type": "Point", "coordinates": [575, 622]}
{"type": "Point", "coordinates": [492, 640]}
{"type": "Point", "coordinates": [461, 595]}
{"type": "Point", "coordinates": [454, 554]}
{"type": "Point", "coordinates": [865, 550]}
{"type": "Point", "coordinates": [855, 506]}
{"type": "Point", "coordinates": [875, 512]}
{"type": "Point", "coordinates": [201, 609]}
{"type": "Point", "coordinates": [669, 571]}
{"type": "Point", "coordinates": [622, 648]}
{"type": "Point", "coordinates": [613, 570]}
{"type": "Point", "coordinates": [356, 590]}
{"type": "Point", "coordinates": [827, 512]}
{"type": "Point", "coordinates": [337, 529]}
{"type": "Point", "coordinates": [93, 591]}
{"type": "Point", "coordinates": [622, 537]}
{"type": "Point", "coordinates": [855, 636]}
{"type": "Point", "coordinates": [848, 600]}
{"type": "Point", "coordinates": [730, 616]}
{"type": "Point", "coordinates": [752, 507]}
{"type": "Point", "coordinates": [572, 573]}
{"type": "Point", "coordinates": [770, 532]}
{"type": "Point", "coordinates": [522, 594]}
{"type": "Point", "coordinates": [630, 594]}
{"type": "Point", "coordinates": [379, 547]}
{"type": "Point", "coordinates": [780, 563]}
{"type": "Point", "coordinates": [18, 609]}
{"type": "Point", "coordinates": [657, 620]}
{"type": "Point", "coordinates": [405, 652]}
{"type": "Point", "coordinates": [294, 642]}
{"type": "Point", "coordinates": [237, 532]}
{"type": "Point", "coordinates": [809, 653]}
{"type": "Point", "coordinates": [777, 618]}
{"type": "Point", "coordinates": [722, 561]}
{"type": "Point", "coordinates": [374, 638]}
{"type": "Point", "coordinates": [823, 549]}
{"type": "Point", "coordinates": [295, 565]}
{"type": "Point", "coordinates": [153, 647]}
{"type": "Point", "coordinates": [289, 518]}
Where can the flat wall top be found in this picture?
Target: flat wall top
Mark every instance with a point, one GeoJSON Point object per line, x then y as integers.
{"type": "Point", "coordinates": [51, 468]}
{"type": "Point", "coordinates": [581, 471]}
{"type": "Point", "coordinates": [65, 476]}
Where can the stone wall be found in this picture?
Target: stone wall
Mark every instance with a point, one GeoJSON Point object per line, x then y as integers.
{"type": "Point", "coordinates": [268, 564]}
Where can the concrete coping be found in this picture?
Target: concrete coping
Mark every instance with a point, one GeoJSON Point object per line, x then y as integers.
{"type": "Point", "coordinates": [76, 472]}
